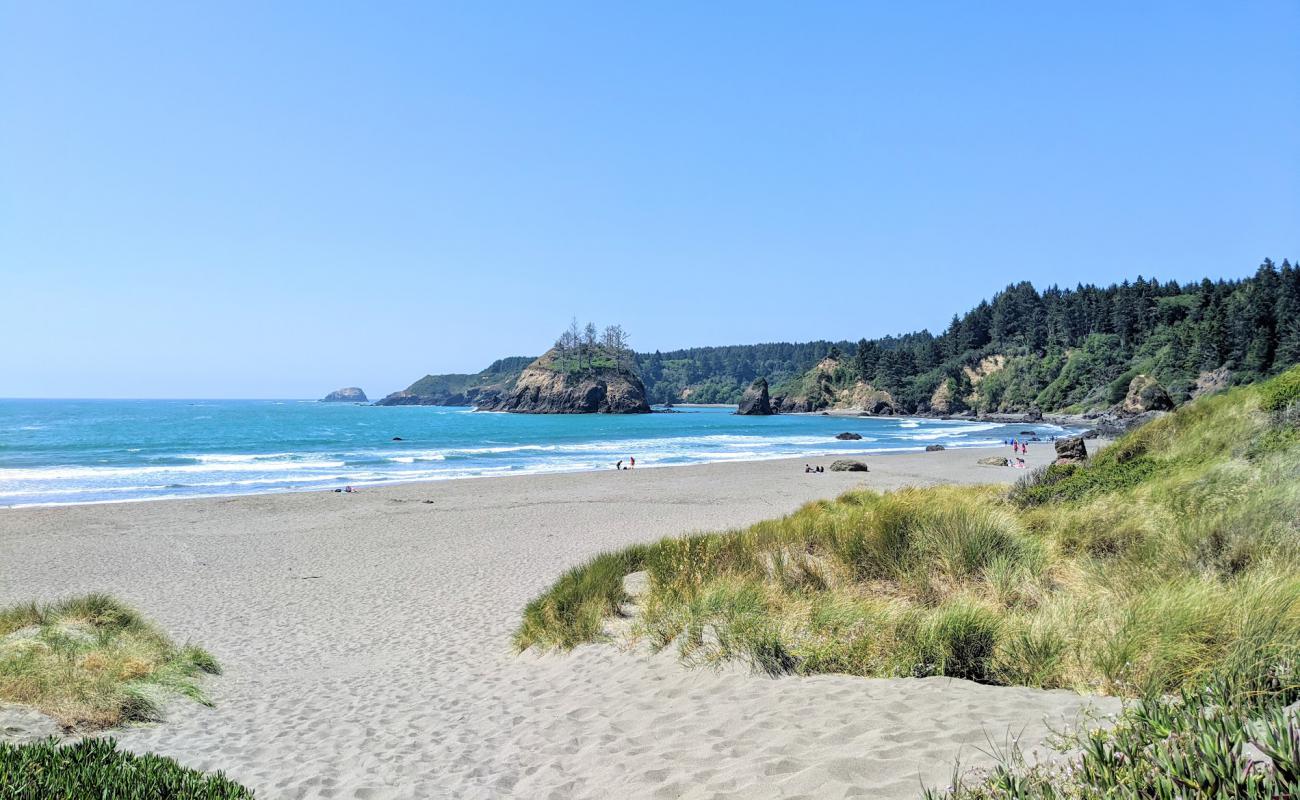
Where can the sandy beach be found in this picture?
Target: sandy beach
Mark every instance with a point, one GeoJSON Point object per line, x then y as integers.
{"type": "Point", "coordinates": [366, 642]}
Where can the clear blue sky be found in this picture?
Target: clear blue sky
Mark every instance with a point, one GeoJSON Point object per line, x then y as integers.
{"type": "Point", "coordinates": [275, 199]}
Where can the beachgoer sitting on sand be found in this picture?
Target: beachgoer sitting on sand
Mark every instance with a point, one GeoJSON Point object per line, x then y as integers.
{"type": "Point", "coordinates": [807, 468]}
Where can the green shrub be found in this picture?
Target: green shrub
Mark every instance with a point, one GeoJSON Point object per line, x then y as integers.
{"type": "Point", "coordinates": [1193, 745]}
{"type": "Point", "coordinates": [96, 768]}
{"type": "Point", "coordinates": [1282, 391]}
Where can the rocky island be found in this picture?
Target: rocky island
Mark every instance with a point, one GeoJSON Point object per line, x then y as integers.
{"type": "Point", "coordinates": [584, 373]}
{"type": "Point", "coordinates": [595, 379]}
{"type": "Point", "coordinates": [348, 394]}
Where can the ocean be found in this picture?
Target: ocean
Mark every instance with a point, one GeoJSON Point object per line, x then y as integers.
{"type": "Point", "coordinates": [89, 451]}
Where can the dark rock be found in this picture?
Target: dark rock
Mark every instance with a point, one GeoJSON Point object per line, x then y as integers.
{"type": "Point", "coordinates": [397, 438]}
{"type": "Point", "coordinates": [881, 408]}
{"type": "Point", "coordinates": [1071, 450]}
{"type": "Point", "coordinates": [848, 437]}
{"type": "Point", "coordinates": [349, 394]}
{"type": "Point", "coordinates": [1113, 425]}
{"type": "Point", "coordinates": [933, 448]}
{"type": "Point", "coordinates": [1029, 433]}
{"type": "Point", "coordinates": [994, 461]}
{"type": "Point", "coordinates": [848, 465]}
{"type": "Point", "coordinates": [1091, 433]}
{"type": "Point", "coordinates": [1033, 415]}
{"type": "Point", "coordinates": [755, 402]}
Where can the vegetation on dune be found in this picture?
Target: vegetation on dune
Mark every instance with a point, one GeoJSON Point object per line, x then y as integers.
{"type": "Point", "coordinates": [1173, 551]}
{"type": "Point", "coordinates": [96, 768]}
{"type": "Point", "coordinates": [91, 662]}
{"type": "Point", "coordinates": [1235, 737]}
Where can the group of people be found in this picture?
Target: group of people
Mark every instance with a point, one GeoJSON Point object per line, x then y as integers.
{"type": "Point", "coordinates": [631, 461]}
{"type": "Point", "coordinates": [1017, 445]}
{"type": "Point", "coordinates": [809, 468]}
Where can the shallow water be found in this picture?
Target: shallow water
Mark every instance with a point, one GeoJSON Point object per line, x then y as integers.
{"type": "Point", "coordinates": [78, 451]}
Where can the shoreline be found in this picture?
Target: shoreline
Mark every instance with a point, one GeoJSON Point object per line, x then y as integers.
{"type": "Point", "coordinates": [365, 641]}
{"type": "Point", "coordinates": [848, 454]}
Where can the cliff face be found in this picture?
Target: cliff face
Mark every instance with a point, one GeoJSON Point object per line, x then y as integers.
{"type": "Point", "coordinates": [350, 394]}
{"type": "Point", "coordinates": [829, 385]}
{"type": "Point", "coordinates": [554, 385]}
{"type": "Point", "coordinates": [755, 401]}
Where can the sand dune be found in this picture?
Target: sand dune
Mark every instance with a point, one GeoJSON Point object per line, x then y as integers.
{"type": "Point", "coordinates": [366, 643]}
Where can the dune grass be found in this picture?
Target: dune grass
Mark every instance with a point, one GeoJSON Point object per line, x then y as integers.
{"type": "Point", "coordinates": [91, 662]}
{"type": "Point", "coordinates": [1174, 549]}
{"type": "Point", "coordinates": [95, 768]}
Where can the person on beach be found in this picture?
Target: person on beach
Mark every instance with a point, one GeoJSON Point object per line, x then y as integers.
{"type": "Point", "coordinates": [619, 465]}
{"type": "Point", "coordinates": [807, 468]}
{"type": "Point", "coordinates": [631, 462]}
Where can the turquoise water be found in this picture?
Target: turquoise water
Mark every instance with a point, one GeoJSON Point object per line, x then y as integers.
{"type": "Point", "coordinates": [79, 451]}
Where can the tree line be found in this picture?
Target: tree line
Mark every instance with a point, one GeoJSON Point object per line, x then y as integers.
{"type": "Point", "coordinates": [1061, 346]}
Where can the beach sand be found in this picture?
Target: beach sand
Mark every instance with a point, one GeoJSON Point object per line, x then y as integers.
{"type": "Point", "coordinates": [366, 642]}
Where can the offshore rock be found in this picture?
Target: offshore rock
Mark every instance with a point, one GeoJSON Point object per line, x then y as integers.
{"type": "Point", "coordinates": [348, 394]}
{"type": "Point", "coordinates": [559, 384]}
{"type": "Point", "coordinates": [755, 401]}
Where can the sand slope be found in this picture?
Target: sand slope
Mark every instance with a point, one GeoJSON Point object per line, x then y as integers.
{"type": "Point", "coordinates": [366, 643]}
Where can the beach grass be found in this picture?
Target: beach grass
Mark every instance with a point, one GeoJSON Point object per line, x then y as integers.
{"type": "Point", "coordinates": [1138, 573]}
{"type": "Point", "coordinates": [92, 662]}
{"type": "Point", "coordinates": [95, 768]}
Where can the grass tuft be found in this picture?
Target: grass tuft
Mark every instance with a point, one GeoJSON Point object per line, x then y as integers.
{"type": "Point", "coordinates": [91, 662]}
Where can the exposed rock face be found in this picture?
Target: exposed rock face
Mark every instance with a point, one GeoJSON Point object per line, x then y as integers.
{"type": "Point", "coordinates": [848, 465]}
{"type": "Point", "coordinates": [1212, 381]}
{"type": "Point", "coordinates": [824, 387]}
{"type": "Point", "coordinates": [848, 437]}
{"type": "Point", "coordinates": [994, 461]}
{"type": "Point", "coordinates": [1146, 394]}
{"type": "Point", "coordinates": [755, 401]}
{"type": "Point", "coordinates": [1071, 451]}
{"type": "Point", "coordinates": [350, 394]}
{"type": "Point", "coordinates": [941, 402]}
{"type": "Point", "coordinates": [545, 387]}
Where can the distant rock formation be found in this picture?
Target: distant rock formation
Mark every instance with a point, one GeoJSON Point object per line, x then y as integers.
{"type": "Point", "coordinates": [755, 401]}
{"type": "Point", "coordinates": [554, 384]}
{"type": "Point", "coordinates": [848, 437]}
{"type": "Point", "coordinates": [349, 394]}
{"type": "Point", "coordinates": [1146, 394]}
{"type": "Point", "coordinates": [1071, 450]}
{"type": "Point", "coordinates": [457, 389]}
{"type": "Point", "coordinates": [826, 387]}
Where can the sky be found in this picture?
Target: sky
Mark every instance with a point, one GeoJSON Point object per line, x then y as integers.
{"type": "Point", "coordinates": [277, 199]}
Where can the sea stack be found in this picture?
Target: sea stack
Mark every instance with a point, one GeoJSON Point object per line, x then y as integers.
{"type": "Point", "coordinates": [348, 394]}
{"type": "Point", "coordinates": [592, 381]}
{"type": "Point", "coordinates": [755, 402]}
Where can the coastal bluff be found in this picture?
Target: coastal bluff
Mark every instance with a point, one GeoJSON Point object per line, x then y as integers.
{"type": "Point", "coordinates": [560, 382]}
{"type": "Point", "coordinates": [348, 394]}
